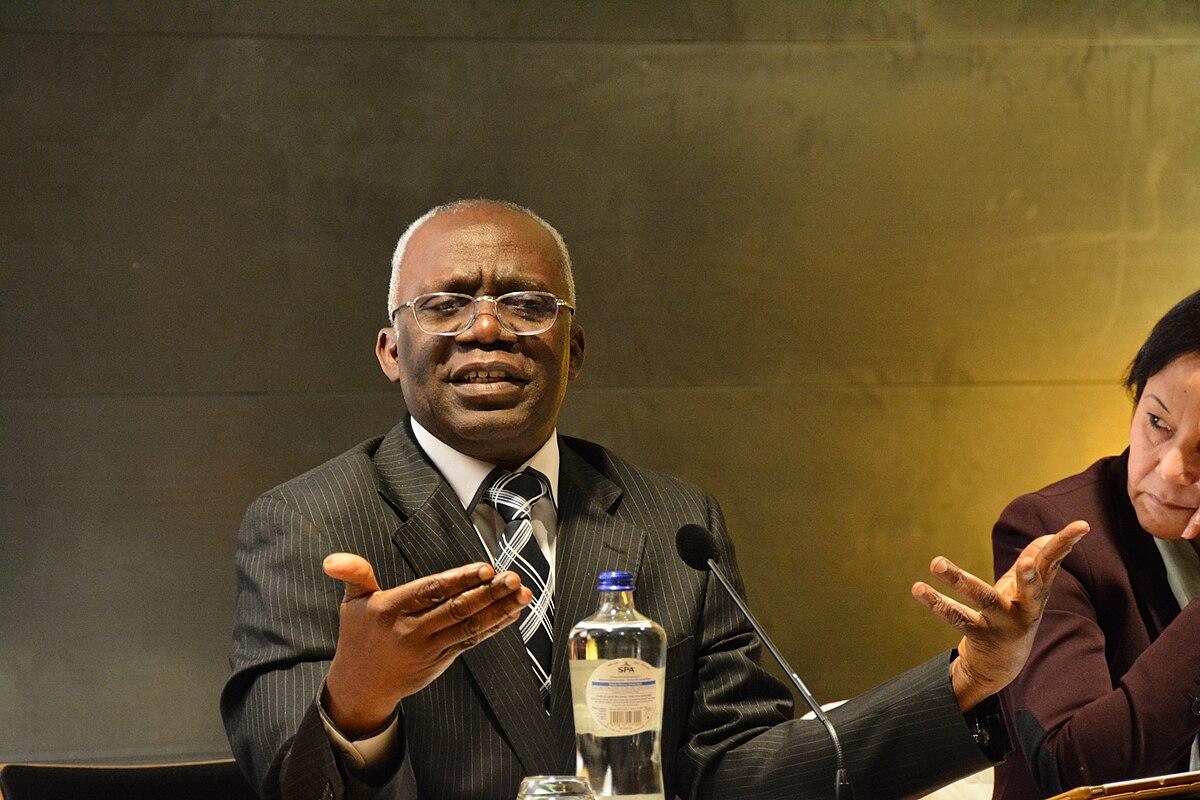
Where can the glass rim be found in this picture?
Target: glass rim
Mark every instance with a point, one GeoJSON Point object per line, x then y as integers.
{"type": "Point", "coordinates": [574, 784]}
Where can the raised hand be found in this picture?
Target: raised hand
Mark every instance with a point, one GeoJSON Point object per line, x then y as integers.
{"type": "Point", "coordinates": [394, 642]}
{"type": "Point", "coordinates": [998, 636]}
{"type": "Point", "coordinates": [1192, 529]}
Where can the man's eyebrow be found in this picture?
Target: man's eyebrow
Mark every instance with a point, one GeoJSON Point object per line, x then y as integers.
{"type": "Point", "coordinates": [1155, 398]}
{"type": "Point", "coordinates": [455, 282]}
{"type": "Point", "coordinates": [519, 280]}
{"type": "Point", "coordinates": [522, 284]}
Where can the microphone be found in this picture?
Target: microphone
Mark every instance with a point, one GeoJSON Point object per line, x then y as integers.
{"type": "Point", "coordinates": [698, 549]}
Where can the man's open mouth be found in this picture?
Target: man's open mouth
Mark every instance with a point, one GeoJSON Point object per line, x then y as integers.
{"type": "Point", "coordinates": [487, 376]}
{"type": "Point", "coordinates": [484, 374]}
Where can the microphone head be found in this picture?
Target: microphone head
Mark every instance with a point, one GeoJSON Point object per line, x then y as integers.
{"type": "Point", "coordinates": [696, 546]}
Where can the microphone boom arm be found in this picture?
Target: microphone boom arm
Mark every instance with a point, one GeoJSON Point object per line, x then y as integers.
{"type": "Point", "coordinates": [842, 789]}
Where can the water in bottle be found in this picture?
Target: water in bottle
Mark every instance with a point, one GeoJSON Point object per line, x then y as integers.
{"type": "Point", "coordinates": [617, 681]}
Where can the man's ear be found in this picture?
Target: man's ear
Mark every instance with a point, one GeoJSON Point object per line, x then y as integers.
{"type": "Point", "coordinates": [386, 352]}
{"type": "Point", "coordinates": [575, 364]}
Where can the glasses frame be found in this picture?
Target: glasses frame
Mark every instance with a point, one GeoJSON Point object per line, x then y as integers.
{"type": "Point", "coordinates": [475, 301]}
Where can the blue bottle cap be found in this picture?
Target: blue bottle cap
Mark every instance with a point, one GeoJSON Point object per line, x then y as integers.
{"type": "Point", "coordinates": [615, 582]}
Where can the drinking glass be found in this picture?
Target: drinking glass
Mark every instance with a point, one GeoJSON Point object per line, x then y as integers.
{"type": "Point", "coordinates": [564, 787]}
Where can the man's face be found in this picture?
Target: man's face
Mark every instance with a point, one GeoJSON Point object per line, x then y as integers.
{"type": "Point", "coordinates": [1164, 449]}
{"type": "Point", "coordinates": [485, 392]}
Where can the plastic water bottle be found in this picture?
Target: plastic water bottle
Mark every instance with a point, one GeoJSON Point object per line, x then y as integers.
{"type": "Point", "coordinates": [617, 681]}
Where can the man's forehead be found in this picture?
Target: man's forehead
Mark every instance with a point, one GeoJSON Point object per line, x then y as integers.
{"type": "Point", "coordinates": [465, 242]}
{"type": "Point", "coordinates": [513, 232]}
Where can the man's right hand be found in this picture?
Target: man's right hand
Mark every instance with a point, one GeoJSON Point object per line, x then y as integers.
{"type": "Point", "coordinates": [393, 642]}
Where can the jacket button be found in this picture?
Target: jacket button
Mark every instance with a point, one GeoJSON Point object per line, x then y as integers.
{"type": "Point", "coordinates": [1196, 706]}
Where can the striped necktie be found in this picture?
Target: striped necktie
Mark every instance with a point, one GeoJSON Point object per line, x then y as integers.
{"type": "Point", "coordinates": [513, 495]}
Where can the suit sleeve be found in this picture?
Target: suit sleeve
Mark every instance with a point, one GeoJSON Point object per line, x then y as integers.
{"type": "Point", "coordinates": [902, 739]}
{"type": "Point", "coordinates": [1095, 727]}
{"type": "Point", "coordinates": [285, 633]}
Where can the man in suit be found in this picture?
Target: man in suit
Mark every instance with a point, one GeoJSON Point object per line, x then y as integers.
{"type": "Point", "coordinates": [408, 678]}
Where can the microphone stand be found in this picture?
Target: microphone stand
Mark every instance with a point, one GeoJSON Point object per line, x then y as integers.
{"type": "Point", "coordinates": [841, 786]}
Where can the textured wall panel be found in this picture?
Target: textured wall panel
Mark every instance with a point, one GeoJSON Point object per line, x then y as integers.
{"type": "Point", "coordinates": [718, 20]}
{"type": "Point", "coordinates": [119, 523]}
{"type": "Point", "coordinates": [772, 215]}
{"type": "Point", "coordinates": [838, 498]}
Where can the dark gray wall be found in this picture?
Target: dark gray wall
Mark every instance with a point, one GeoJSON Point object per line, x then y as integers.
{"type": "Point", "coordinates": [864, 270]}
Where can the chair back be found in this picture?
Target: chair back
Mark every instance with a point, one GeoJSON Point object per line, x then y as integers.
{"type": "Point", "coordinates": [192, 780]}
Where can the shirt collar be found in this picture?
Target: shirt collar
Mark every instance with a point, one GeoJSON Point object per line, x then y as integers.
{"type": "Point", "coordinates": [1183, 568]}
{"type": "Point", "coordinates": [465, 473]}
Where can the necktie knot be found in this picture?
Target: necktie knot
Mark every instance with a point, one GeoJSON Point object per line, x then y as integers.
{"type": "Point", "coordinates": [514, 494]}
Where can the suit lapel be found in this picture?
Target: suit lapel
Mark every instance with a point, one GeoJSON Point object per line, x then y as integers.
{"type": "Point", "coordinates": [1147, 572]}
{"type": "Point", "coordinates": [590, 540]}
{"type": "Point", "coordinates": [434, 535]}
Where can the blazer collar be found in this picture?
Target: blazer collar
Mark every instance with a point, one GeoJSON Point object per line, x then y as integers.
{"type": "Point", "coordinates": [407, 478]}
{"type": "Point", "coordinates": [1142, 560]}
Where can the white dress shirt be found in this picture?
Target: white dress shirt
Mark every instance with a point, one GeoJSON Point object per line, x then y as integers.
{"type": "Point", "coordinates": [465, 474]}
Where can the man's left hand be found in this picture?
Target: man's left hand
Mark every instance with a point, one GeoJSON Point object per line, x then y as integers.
{"type": "Point", "coordinates": [997, 638]}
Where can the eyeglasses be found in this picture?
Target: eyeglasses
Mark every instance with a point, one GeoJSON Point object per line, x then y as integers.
{"type": "Point", "coordinates": [451, 313]}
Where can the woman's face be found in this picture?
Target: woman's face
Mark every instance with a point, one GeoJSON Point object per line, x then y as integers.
{"type": "Point", "coordinates": [1164, 451]}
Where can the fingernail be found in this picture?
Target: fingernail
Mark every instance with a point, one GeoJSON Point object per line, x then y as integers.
{"type": "Point", "coordinates": [939, 566]}
{"type": "Point", "coordinates": [511, 581]}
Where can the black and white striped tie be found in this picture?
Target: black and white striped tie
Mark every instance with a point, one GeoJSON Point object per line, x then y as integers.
{"type": "Point", "coordinates": [513, 495]}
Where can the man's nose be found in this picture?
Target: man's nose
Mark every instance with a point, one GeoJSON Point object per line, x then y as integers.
{"type": "Point", "coordinates": [486, 329]}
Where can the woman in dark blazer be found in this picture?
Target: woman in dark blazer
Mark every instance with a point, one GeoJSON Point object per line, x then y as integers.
{"type": "Point", "coordinates": [1111, 690]}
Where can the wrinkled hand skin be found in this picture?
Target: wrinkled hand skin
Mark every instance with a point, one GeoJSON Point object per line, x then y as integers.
{"type": "Point", "coordinates": [998, 632]}
{"type": "Point", "coordinates": [393, 642]}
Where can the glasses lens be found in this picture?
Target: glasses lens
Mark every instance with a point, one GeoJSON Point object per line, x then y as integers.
{"type": "Point", "coordinates": [527, 312]}
{"type": "Point", "coordinates": [442, 312]}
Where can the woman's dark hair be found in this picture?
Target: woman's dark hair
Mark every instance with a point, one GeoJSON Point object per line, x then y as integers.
{"type": "Point", "coordinates": [1176, 334]}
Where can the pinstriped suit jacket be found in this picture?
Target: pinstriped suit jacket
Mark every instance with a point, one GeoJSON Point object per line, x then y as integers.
{"type": "Point", "coordinates": [480, 727]}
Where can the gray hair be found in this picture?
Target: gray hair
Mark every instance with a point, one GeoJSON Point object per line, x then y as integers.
{"type": "Point", "coordinates": [457, 205]}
